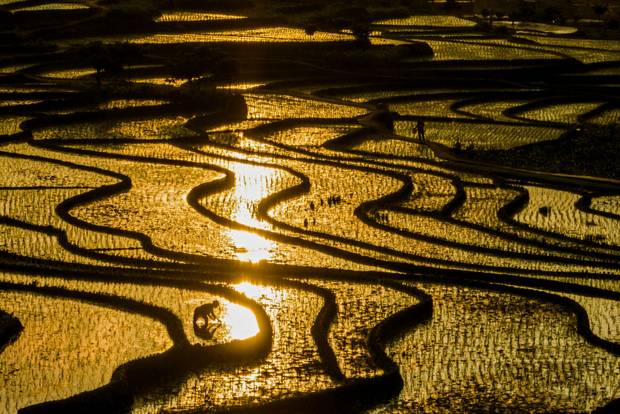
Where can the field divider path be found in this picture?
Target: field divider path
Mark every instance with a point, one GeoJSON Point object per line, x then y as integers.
{"type": "Point", "coordinates": [508, 212]}
{"type": "Point", "coordinates": [302, 188]}
{"type": "Point", "coordinates": [360, 394]}
{"type": "Point", "coordinates": [305, 153]}
{"type": "Point", "coordinates": [10, 329]}
{"type": "Point", "coordinates": [140, 375]}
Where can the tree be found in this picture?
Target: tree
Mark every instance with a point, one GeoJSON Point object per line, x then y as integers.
{"type": "Point", "coordinates": [97, 58]}
{"type": "Point", "coordinates": [202, 61]}
{"type": "Point", "coordinates": [553, 15]}
{"type": "Point", "coordinates": [514, 16]}
{"type": "Point", "coordinates": [358, 21]}
{"type": "Point", "coordinates": [526, 10]}
{"type": "Point", "coordinates": [108, 59]}
{"type": "Point", "coordinates": [488, 14]}
{"type": "Point", "coordinates": [189, 67]}
{"type": "Point", "coordinates": [600, 9]}
{"type": "Point", "coordinates": [7, 20]}
{"type": "Point", "coordinates": [361, 32]}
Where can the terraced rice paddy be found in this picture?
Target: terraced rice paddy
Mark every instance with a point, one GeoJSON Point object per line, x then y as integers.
{"type": "Point", "coordinates": [161, 128]}
{"type": "Point", "coordinates": [456, 50]}
{"type": "Point", "coordinates": [429, 21]}
{"type": "Point", "coordinates": [279, 236]}
{"type": "Point", "coordinates": [189, 16]}
{"type": "Point", "coordinates": [482, 135]}
{"type": "Point", "coordinates": [537, 28]}
{"type": "Point", "coordinates": [262, 35]}
{"type": "Point", "coordinates": [69, 74]}
{"type": "Point", "coordinates": [55, 6]}
{"type": "Point", "coordinates": [566, 113]}
{"type": "Point", "coordinates": [69, 361]}
{"type": "Point", "coordinates": [607, 117]}
{"type": "Point", "coordinates": [9, 125]}
{"type": "Point", "coordinates": [517, 353]}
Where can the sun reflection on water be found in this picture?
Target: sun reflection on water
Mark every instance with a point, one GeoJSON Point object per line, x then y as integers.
{"type": "Point", "coordinates": [240, 321]}
{"type": "Point", "coordinates": [253, 291]}
{"type": "Point", "coordinates": [250, 247]}
{"type": "Point", "coordinates": [250, 187]}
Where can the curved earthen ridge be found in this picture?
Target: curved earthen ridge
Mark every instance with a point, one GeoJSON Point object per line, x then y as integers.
{"type": "Point", "coordinates": [10, 328]}
{"type": "Point", "coordinates": [270, 157]}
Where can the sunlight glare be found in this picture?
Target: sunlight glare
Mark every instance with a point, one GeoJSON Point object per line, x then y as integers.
{"type": "Point", "coordinates": [251, 290]}
{"type": "Point", "coordinates": [249, 189]}
{"type": "Point", "coordinates": [240, 321]}
{"type": "Point", "coordinates": [250, 247]}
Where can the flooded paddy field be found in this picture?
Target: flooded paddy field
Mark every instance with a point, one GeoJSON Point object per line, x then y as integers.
{"type": "Point", "coordinates": [243, 208]}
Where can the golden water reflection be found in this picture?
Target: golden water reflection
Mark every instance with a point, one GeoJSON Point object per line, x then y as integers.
{"type": "Point", "coordinates": [251, 185]}
{"type": "Point", "coordinates": [252, 291]}
{"type": "Point", "coordinates": [250, 247]}
{"type": "Point", "coordinates": [240, 321]}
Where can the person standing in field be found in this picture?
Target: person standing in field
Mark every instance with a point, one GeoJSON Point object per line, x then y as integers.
{"type": "Point", "coordinates": [420, 129]}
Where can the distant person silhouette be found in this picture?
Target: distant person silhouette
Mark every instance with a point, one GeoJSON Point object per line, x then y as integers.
{"type": "Point", "coordinates": [421, 131]}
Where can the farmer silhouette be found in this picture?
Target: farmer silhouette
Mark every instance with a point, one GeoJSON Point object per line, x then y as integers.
{"type": "Point", "coordinates": [203, 316]}
{"type": "Point", "coordinates": [421, 130]}
{"type": "Point", "coordinates": [206, 312]}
